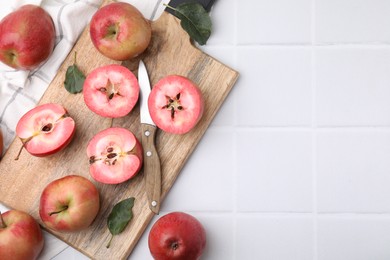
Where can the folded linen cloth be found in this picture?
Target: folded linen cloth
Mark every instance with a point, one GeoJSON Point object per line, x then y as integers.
{"type": "Point", "coordinates": [21, 90]}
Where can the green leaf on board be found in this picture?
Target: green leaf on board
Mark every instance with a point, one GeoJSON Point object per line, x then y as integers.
{"type": "Point", "coordinates": [119, 217]}
{"type": "Point", "coordinates": [74, 78]}
{"type": "Point", "coordinates": [195, 20]}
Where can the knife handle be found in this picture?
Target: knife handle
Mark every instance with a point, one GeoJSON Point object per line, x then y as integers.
{"type": "Point", "coordinates": [152, 167]}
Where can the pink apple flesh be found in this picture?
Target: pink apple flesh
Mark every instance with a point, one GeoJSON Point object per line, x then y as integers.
{"type": "Point", "coordinates": [115, 156]}
{"type": "Point", "coordinates": [111, 91]}
{"type": "Point", "coordinates": [45, 129]}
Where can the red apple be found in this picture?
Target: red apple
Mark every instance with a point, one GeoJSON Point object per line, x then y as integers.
{"type": "Point", "coordinates": [20, 236]}
{"type": "Point", "coordinates": [115, 155]}
{"type": "Point", "coordinates": [176, 104]}
{"type": "Point", "coordinates": [27, 37]}
{"type": "Point", "coordinates": [45, 129]}
{"type": "Point", "coordinates": [69, 204]}
{"type": "Point", "coordinates": [119, 31]}
{"type": "Point", "coordinates": [111, 91]}
{"type": "Point", "coordinates": [177, 236]}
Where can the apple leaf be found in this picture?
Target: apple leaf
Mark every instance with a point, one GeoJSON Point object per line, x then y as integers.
{"type": "Point", "coordinates": [74, 78]}
{"type": "Point", "coordinates": [195, 20]}
{"type": "Point", "coordinates": [119, 217]}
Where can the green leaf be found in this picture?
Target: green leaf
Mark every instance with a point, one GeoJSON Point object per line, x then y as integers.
{"type": "Point", "coordinates": [74, 79]}
{"type": "Point", "coordinates": [119, 217]}
{"type": "Point", "coordinates": [195, 20]}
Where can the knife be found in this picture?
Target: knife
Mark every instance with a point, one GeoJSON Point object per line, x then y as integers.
{"type": "Point", "coordinates": [152, 166]}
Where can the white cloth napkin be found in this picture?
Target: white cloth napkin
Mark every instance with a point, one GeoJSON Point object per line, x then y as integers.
{"type": "Point", "coordinates": [21, 90]}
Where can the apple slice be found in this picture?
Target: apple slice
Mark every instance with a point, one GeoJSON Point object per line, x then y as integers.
{"type": "Point", "coordinates": [45, 129]}
{"type": "Point", "coordinates": [115, 155]}
{"type": "Point", "coordinates": [111, 91]}
{"type": "Point", "coordinates": [176, 104]}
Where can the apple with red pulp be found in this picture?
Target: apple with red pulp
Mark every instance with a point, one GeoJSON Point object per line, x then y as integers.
{"type": "Point", "coordinates": [115, 155]}
{"type": "Point", "coordinates": [69, 204]}
{"type": "Point", "coordinates": [177, 236]}
{"type": "Point", "coordinates": [20, 236]}
{"type": "Point", "coordinates": [119, 31]}
{"type": "Point", "coordinates": [111, 91]}
{"type": "Point", "coordinates": [27, 37]}
{"type": "Point", "coordinates": [45, 129]}
{"type": "Point", "coordinates": [176, 104]}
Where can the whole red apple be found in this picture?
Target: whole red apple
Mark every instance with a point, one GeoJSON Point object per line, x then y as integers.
{"type": "Point", "coordinates": [27, 37]}
{"type": "Point", "coordinates": [20, 236]}
{"type": "Point", "coordinates": [120, 31]}
{"type": "Point", "coordinates": [70, 203]}
{"type": "Point", "coordinates": [177, 236]}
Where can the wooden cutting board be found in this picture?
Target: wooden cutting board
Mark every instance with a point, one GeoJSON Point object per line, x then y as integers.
{"type": "Point", "coordinates": [170, 52]}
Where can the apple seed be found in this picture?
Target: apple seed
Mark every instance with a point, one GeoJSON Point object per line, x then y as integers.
{"type": "Point", "coordinates": [173, 104]}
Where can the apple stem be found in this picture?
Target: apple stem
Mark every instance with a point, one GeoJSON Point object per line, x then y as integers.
{"type": "Point", "coordinates": [2, 222]}
{"type": "Point", "coordinates": [24, 142]}
{"type": "Point", "coordinates": [109, 242]}
{"type": "Point", "coordinates": [56, 212]}
{"type": "Point", "coordinates": [19, 153]}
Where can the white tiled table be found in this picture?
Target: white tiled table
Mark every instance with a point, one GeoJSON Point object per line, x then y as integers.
{"type": "Point", "coordinates": [296, 164]}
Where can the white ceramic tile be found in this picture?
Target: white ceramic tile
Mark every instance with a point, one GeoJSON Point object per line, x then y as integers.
{"type": "Point", "coordinates": [353, 171]}
{"type": "Point", "coordinates": [274, 88]}
{"type": "Point", "coordinates": [352, 21]}
{"type": "Point", "coordinates": [274, 238]}
{"type": "Point", "coordinates": [68, 254]}
{"type": "Point", "coordinates": [353, 86]}
{"type": "Point", "coordinates": [357, 238]}
{"type": "Point", "coordinates": [277, 21]}
{"type": "Point", "coordinates": [274, 171]}
{"type": "Point", "coordinates": [223, 18]}
{"type": "Point", "coordinates": [219, 235]}
{"type": "Point", "coordinates": [206, 181]}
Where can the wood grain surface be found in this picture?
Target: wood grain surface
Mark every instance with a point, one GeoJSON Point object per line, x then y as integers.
{"type": "Point", "coordinates": [170, 52]}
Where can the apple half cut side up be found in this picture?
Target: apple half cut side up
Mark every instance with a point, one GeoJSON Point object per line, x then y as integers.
{"type": "Point", "coordinates": [45, 130]}
{"type": "Point", "coordinates": [115, 155]}
{"type": "Point", "coordinates": [111, 91]}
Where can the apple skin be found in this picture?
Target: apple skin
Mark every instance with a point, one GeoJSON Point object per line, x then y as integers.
{"type": "Point", "coordinates": [21, 238]}
{"type": "Point", "coordinates": [119, 31]}
{"type": "Point", "coordinates": [177, 236]}
{"type": "Point", "coordinates": [69, 204]}
{"type": "Point", "coordinates": [27, 37]}
{"type": "Point", "coordinates": [1, 143]}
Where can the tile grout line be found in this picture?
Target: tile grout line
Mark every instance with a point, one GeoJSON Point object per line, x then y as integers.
{"type": "Point", "coordinates": [313, 80]}
{"type": "Point", "coordinates": [235, 143]}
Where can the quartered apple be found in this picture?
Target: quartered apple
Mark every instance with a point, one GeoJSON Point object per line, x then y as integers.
{"type": "Point", "coordinates": [111, 91]}
{"type": "Point", "coordinates": [45, 129]}
{"type": "Point", "coordinates": [115, 155]}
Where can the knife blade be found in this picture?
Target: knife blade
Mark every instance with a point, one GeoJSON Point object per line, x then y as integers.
{"type": "Point", "coordinates": [152, 166]}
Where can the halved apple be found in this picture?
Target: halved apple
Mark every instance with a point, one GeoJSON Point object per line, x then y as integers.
{"type": "Point", "coordinates": [45, 129]}
{"type": "Point", "coordinates": [115, 155]}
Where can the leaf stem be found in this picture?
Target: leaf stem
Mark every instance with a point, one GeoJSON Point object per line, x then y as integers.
{"type": "Point", "coordinates": [170, 7]}
{"type": "Point", "coordinates": [109, 242]}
